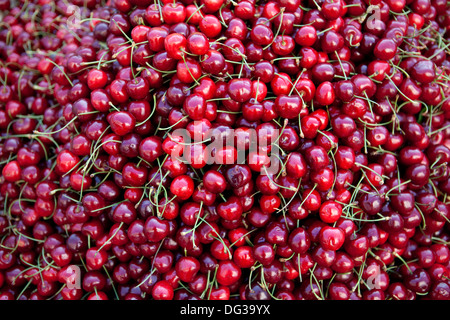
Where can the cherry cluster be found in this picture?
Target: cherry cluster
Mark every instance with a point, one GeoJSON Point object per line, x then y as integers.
{"type": "Point", "coordinates": [225, 149]}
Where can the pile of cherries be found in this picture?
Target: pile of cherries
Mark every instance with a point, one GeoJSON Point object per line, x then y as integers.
{"type": "Point", "coordinates": [101, 197]}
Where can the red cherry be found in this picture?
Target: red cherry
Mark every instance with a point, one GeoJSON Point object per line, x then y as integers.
{"type": "Point", "coordinates": [330, 211]}
{"type": "Point", "coordinates": [175, 44]}
{"type": "Point", "coordinates": [162, 290]}
{"type": "Point", "coordinates": [66, 161]}
{"type": "Point", "coordinates": [210, 26]}
{"type": "Point", "coordinates": [96, 258]}
{"type": "Point", "coordinates": [187, 268]}
{"type": "Point", "coordinates": [96, 79]}
{"type": "Point", "coordinates": [306, 36]}
{"type": "Point", "coordinates": [121, 122]}
{"type": "Point", "coordinates": [155, 229]}
{"type": "Point", "coordinates": [11, 171]}
{"type": "Point", "coordinates": [197, 43]}
{"type": "Point", "coordinates": [183, 187]}
{"type": "Point", "coordinates": [228, 273]}
{"type": "Point", "coordinates": [331, 238]}
{"type": "Point", "coordinates": [325, 94]}
{"type": "Point", "coordinates": [173, 13]}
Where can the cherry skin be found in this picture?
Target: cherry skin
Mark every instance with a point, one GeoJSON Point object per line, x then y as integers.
{"type": "Point", "coordinates": [121, 122]}
{"type": "Point", "coordinates": [210, 26]}
{"type": "Point", "coordinates": [188, 71]}
{"type": "Point", "coordinates": [231, 209]}
{"type": "Point", "coordinates": [197, 43]}
{"type": "Point", "coordinates": [96, 79]}
{"type": "Point", "coordinates": [385, 49]}
{"type": "Point", "coordinates": [288, 106]}
{"type": "Point", "coordinates": [150, 149]}
{"type": "Point", "coordinates": [138, 88]}
{"type": "Point", "coordinates": [155, 229]}
{"type": "Point", "coordinates": [261, 35]}
{"type": "Point", "coordinates": [187, 268]}
{"type": "Point", "coordinates": [173, 13]}
{"type": "Point", "coordinates": [214, 182]}
{"type": "Point", "coordinates": [96, 258]}
{"type": "Point", "coordinates": [316, 157]}
{"type": "Point", "coordinates": [12, 171]}
{"type": "Point", "coordinates": [331, 238]}
{"type": "Point", "coordinates": [330, 211]}
{"type": "Point", "coordinates": [183, 187]}
{"type": "Point", "coordinates": [66, 161]}
{"type": "Point", "coordinates": [299, 240]}
{"type": "Point", "coordinates": [162, 290]}
{"type": "Point", "coordinates": [228, 273]}
{"type": "Point", "coordinates": [306, 36]}
{"type": "Point", "coordinates": [264, 253]}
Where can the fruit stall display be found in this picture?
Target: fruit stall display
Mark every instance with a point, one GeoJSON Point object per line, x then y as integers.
{"type": "Point", "coordinates": [224, 150]}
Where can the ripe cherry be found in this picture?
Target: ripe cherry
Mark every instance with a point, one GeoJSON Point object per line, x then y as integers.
{"type": "Point", "coordinates": [182, 186]}
{"type": "Point", "coordinates": [12, 171]}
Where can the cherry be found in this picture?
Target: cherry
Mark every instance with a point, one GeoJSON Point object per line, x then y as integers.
{"type": "Point", "coordinates": [182, 186]}
{"type": "Point", "coordinates": [188, 71]}
{"type": "Point", "coordinates": [66, 161]}
{"type": "Point", "coordinates": [231, 209]}
{"type": "Point", "coordinates": [385, 49]}
{"type": "Point", "coordinates": [195, 106]}
{"type": "Point", "coordinates": [356, 245]}
{"type": "Point", "coordinates": [213, 62]}
{"type": "Point", "coordinates": [155, 229]}
{"type": "Point", "coordinates": [121, 122]}
{"type": "Point", "coordinates": [343, 126]}
{"type": "Point", "coordinates": [187, 268]}
{"type": "Point", "coordinates": [403, 202]}
{"type": "Point", "coordinates": [418, 281]}
{"type": "Point", "coordinates": [190, 212]}
{"type": "Point", "coordinates": [264, 253]}
{"type": "Point", "coordinates": [252, 111]}
{"type": "Point", "coordinates": [210, 26]}
{"type": "Point", "coordinates": [331, 238]}
{"type": "Point", "coordinates": [173, 13]}
{"type": "Point", "coordinates": [228, 273]}
{"type": "Point", "coordinates": [331, 41]}
{"type": "Point", "coordinates": [306, 36]}
{"type": "Point", "coordinates": [197, 43]}
{"type": "Point", "coordinates": [12, 171]}
{"type": "Point", "coordinates": [323, 257]}
{"type": "Point", "coordinates": [276, 233]}
{"type": "Point", "coordinates": [288, 106]}
{"type": "Point", "coordinates": [124, 213]}
{"type": "Point", "coordinates": [323, 179]}
{"type": "Point", "coordinates": [330, 211]}
{"type": "Point", "coordinates": [96, 258]}
{"type": "Point", "coordinates": [150, 149]}
{"type": "Point", "coordinates": [162, 290]}
{"type": "Point", "coordinates": [80, 181]}
{"type": "Point", "coordinates": [316, 157]}
{"type": "Point", "coordinates": [299, 240]}
{"type": "Point", "coordinates": [243, 257]}
{"type": "Point", "coordinates": [296, 165]}
{"type": "Point", "coordinates": [439, 291]}
{"type": "Point", "coordinates": [137, 88]}
{"type": "Point", "coordinates": [118, 91]}
{"type": "Point", "coordinates": [240, 89]}
{"type": "Point", "coordinates": [96, 79]}
{"type": "Point", "coordinates": [261, 35]}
